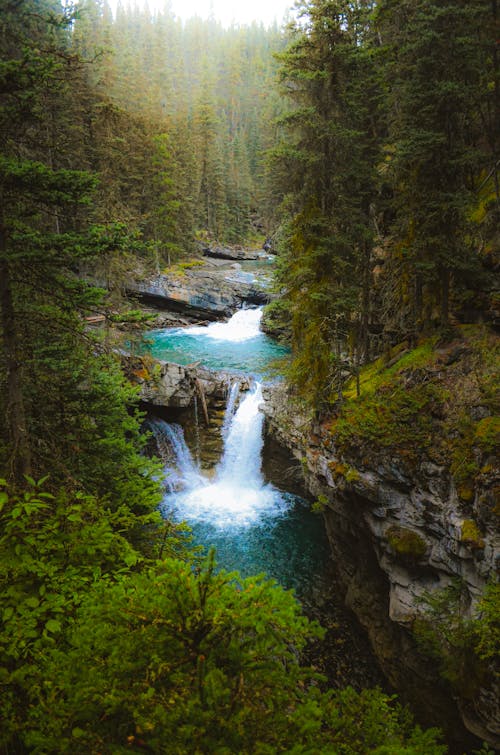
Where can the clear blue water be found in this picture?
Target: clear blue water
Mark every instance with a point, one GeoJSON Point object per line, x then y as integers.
{"type": "Point", "coordinates": [291, 548]}
{"type": "Point", "coordinates": [254, 527]}
{"type": "Point", "coordinates": [219, 346]}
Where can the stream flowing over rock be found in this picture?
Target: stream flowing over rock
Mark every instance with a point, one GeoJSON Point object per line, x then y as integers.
{"type": "Point", "coordinates": [366, 503]}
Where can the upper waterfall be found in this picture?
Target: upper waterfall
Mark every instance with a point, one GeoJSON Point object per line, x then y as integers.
{"type": "Point", "coordinates": [242, 326]}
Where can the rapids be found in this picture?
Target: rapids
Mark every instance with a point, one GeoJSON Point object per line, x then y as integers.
{"type": "Point", "coordinates": [237, 345]}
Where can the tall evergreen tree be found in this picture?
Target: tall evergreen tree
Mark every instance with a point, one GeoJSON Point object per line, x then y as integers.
{"type": "Point", "coordinates": [326, 164]}
{"type": "Point", "coordinates": [66, 408]}
{"type": "Point", "coordinates": [434, 62]}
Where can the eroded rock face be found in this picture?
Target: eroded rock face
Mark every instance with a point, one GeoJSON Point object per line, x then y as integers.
{"type": "Point", "coordinates": [396, 534]}
{"type": "Point", "coordinates": [204, 292]}
{"type": "Point", "coordinates": [166, 384]}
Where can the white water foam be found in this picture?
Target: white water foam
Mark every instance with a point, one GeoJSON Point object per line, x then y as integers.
{"type": "Point", "coordinates": [243, 325]}
{"type": "Point", "coordinates": [232, 397]}
{"type": "Point", "coordinates": [237, 497]}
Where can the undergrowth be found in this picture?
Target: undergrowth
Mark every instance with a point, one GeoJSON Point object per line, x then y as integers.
{"type": "Point", "coordinates": [441, 399]}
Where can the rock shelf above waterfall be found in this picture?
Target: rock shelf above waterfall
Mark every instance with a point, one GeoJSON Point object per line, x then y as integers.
{"type": "Point", "coordinates": [203, 291]}
{"type": "Point", "coordinates": [174, 385]}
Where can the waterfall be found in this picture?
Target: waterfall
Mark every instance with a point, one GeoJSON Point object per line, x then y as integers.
{"type": "Point", "coordinates": [243, 445]}
{"type": "Point", "coordinates": [233, 393]}
{"type": "Point", "coordinates": [237, 495]}
{"type": "Point", "coordinates": [197, 432]}
{"type": "Point", "coordinates": [242, 326]}
{"type": "Point", "coordinates": [180, 470]}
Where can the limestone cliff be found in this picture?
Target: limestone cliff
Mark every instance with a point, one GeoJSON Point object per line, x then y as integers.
{"type": "Point", "coordinates": [407, 477]}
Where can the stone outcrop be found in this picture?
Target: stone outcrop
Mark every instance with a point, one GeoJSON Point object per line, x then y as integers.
{"type": "Point", "coordinates": [235, 253]}
{"type": "Point", "coordinates": [166, 384]}
{"type": "Point", "coordinates": [396, 534]}
{"type": "Point", "coordinates": [202, 292]}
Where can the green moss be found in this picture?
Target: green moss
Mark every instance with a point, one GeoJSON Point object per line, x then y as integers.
{"type": "Point", "coordinates": [180, 268]}
{"type": "Point", "coordinates": [190, 264]}
{"type": "Point", "coordinates": [377, 374]}
{"type": "Point", "coordinates": [424, 400]}
{"type": "Point", "coordinates": [406, 543]}
{"type": "Point", "coordinates": [352, 475]}
{"type": "Point", "coordinates": [401, 417]}
{"type": "Point", "coordinates": [487, 433]}
{"type": "Point", "coordinates": [320, 504]}
{"type": "Point", "coordinates": [466, 491]}
{"type": "Point", "coordinates": [464, 466]}
{"type": "Point", "coordinates": [471, 534]}
{"type": "Point", "coordinates": [396, 404]}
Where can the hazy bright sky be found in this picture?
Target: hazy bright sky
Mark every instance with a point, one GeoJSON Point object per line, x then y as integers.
{"type": "Point", "coordinates": [227, 11]}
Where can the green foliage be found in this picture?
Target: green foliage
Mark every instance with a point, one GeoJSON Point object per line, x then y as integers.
{"type": "Point", "coordinates": [51, 551]}
{"type": "Point", "coordinates": [463, 645]}
{"type": "Point", "coordinates": [207, 663]}
{"type": "Point", "coordinates": [54, 549]}
{"type": "Point", "coordinates": [388, 176]}
{"type": "Point", "coordinates": [324, 172]}
{"type": "Point", "coordinates": [487, 624]}
{"type": "Point", "coordinates": [276, 320]}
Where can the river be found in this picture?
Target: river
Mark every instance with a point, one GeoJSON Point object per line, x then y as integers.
{"type": "Point", "coordinates": [254, 525]}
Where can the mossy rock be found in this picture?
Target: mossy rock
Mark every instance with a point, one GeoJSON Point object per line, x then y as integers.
{"type": "Point", "coordinates": [487, 435]}
{"type": "Point", "coordinates": [471, 534]}
{"type": "Point", "coordinates": [406, 543]}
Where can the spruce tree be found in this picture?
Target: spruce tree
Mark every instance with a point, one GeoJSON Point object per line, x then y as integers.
{"type": "Point", "coordinates": [433, 71]}
{"type": "Point", "coordinates": [326, 166]}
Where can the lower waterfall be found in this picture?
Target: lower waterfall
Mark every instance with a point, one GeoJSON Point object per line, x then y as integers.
{"type": "Point", "coordinates": [237, 495]}
{"type": "Point", "coordinates": [254, 526]}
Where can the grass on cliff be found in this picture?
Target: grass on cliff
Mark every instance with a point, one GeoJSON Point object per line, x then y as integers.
{"type": "Point", "coordinates": [396, 404]}
{"type": "Point", "coordinates": [439, 398]}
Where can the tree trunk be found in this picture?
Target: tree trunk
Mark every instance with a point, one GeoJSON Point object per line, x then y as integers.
{"type": "Point", "coordinates": [20, 457]}
{"type": "Point", "coordinates": [418, 313]}
{"type": "Point", "coordinates": [496, 106]}
{"type": "Point", "coordinates": [445, 297]}
{"type": "Point", "coordinates": [364, 344]}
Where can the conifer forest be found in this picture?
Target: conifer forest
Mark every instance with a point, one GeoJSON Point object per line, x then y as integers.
{"type": "Point", "coordinates": [326, 190]}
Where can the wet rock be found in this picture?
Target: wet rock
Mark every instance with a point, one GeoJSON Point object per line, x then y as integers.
{"type": "Point", "coordinates": [166, 384]}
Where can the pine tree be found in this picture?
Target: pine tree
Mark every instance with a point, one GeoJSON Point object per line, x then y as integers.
{"type": "Point", "coordinates": [66, 407]}
{"type": "Point", "coordinates": [433, 75]}
{"type": "Point", "coordinates": [327, 166]}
